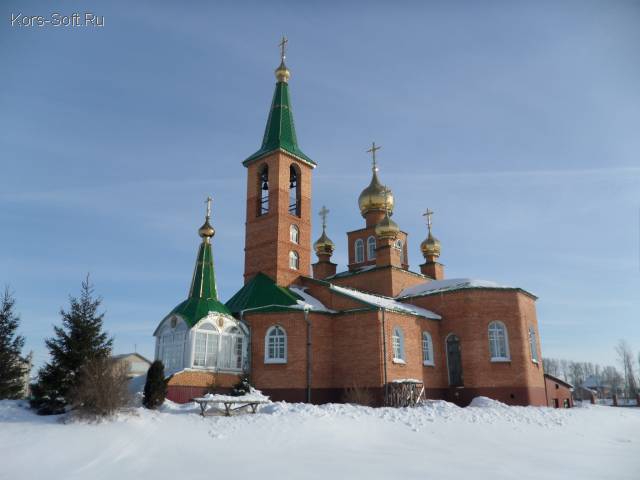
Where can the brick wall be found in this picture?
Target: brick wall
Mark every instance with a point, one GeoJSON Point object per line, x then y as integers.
{"type": "Point", "coordinates": [267, 239]}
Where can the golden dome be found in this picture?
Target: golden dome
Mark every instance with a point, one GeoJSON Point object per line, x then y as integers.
{"type": "Point", "coordinates": [373, 197]}
{"type": "Point", "coordinates": [387, 228]}
{"type": "Point", "coordinates": [206, 231]}
{"type": "Point", "coordinates": [282, 73]}
{"type": "Point", "coordinates": [430, 247]}
{"type": "Point", "coordinates": [324, 245]}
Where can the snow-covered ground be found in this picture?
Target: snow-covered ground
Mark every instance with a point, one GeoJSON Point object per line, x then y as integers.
{"type": "Point", "coordinates": [434, 441]}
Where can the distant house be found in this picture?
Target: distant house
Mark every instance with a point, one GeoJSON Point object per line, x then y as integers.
{"type": "Point", "coordinates": [558, 392]}
{"type": "Point", "coordinates": [137, 364]}
{"type": "Point", "coordinates": [584, 394]}
{"type": "Point", "coordinates": [594, 383]}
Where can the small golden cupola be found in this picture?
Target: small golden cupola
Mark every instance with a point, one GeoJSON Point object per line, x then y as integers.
{"type": "Point", "coordinates": [387, 228]}
{"type": "Point", "coordinates": [206, 231]}
{"type": "Point", "coordinates": [324, 245]}
{"type": "Point", "coordinates": [282, 72]}
{"type": "Point", "coordinates": [430, 247]}
{"type": "Point", "coordinates": [373, 197]}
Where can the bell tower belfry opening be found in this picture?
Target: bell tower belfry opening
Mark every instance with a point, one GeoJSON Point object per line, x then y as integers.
{"type": "Point", "coordinates": [278, 222]}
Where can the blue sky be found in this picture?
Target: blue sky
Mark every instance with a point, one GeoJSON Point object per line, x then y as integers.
{"type": "Point", "coordinates": [516, 122]}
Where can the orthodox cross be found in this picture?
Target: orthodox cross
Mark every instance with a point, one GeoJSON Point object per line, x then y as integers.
{"type": "Point", "coordinates": [323, 213]}
{"type": "Point", "coordinates": [283, 47]}
{"type": "Point", "coordinates": [208, 202]}
{"type": "Point", "coordinates": [373, 151]}
{"type": "Point", "coordinates": [428, 214]}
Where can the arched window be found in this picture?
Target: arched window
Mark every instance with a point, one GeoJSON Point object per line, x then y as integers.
{"type": "Point", "coordinates": [294, 234]}
{"type": "Point", "coordinates": [359, 247]}
{"type": "Point", "coordinates": [498, 341]}
{"type": "Point", "coordinates": [397, 341]}
{"type": "Point", "coordinates": [427, 349]}
{"type": "Point", "coordinates": [371, 248]}
{"type": "Point", "coordinates": [231, 349]}
{"type": "Point", "coordinates": [263, 188]}
{"type": "Point", "coordinates": [533, 345]}
{"type": "Point", "coordinates": [400, 247]}
{"type": "Point", "coordinates": [206, 348]}
{"type": "Point", "coordinates": [275, 345]}
{"type": "Point", "coordinates": [294, 260]}
{"type": "Point", "coordinates": [294, 191]}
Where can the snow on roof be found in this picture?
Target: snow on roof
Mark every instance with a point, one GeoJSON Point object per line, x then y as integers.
{"type": "Point", "coordinates": [437, 286]}
{"type": "Point", "coordinates": [386, 302]}
{"type": "Point", "coordinates": [308, 302]}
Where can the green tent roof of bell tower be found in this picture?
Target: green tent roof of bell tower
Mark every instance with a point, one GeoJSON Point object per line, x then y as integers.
{"type": "Point", "coordinates": [280, 133]}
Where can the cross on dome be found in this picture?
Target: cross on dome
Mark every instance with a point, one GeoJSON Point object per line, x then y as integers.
{"type": "Point", "coordinates": [324, 211]}
{"type": "Point", "coordinates": [374, 148]}
{"type": "Point", "coordinates": [283, 48]}
{"type": "Point", "coordinates": [208, 201]}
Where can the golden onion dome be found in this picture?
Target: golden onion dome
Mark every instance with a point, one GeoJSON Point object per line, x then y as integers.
{"type": "Point", "coordinates": [206, 231]}
{"type": "Point", "coordinates": [387, 228]}
{"type": "Point", "coordinates": [282, 73]}
{"type": "Point", "coordinates": [430, 247]}
{"type": "Point", "coordinates": [324, 245]}
{"type": "Point", "coordinates": [374, 197]}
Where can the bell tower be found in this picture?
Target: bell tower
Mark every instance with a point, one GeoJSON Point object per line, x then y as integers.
{"type": "Point", "coordinates": [278, 222]}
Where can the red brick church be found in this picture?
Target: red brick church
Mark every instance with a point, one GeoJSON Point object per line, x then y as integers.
{"type": "Point", "coordinates": [305, 332]}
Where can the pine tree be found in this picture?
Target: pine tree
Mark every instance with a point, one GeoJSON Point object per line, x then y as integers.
{"type": "Point", "coordinates": [12, 368]}
{"type": "Point", "coordinates": [79, 340]}
{"type": "Point", "coordinates": [155, 388]}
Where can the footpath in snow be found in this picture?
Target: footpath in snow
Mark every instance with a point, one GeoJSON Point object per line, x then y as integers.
{"type": "Point", "coordinates": [438, 440]}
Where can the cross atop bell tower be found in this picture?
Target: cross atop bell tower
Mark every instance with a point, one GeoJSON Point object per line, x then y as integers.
{"type": "Point", "coordinates": [278, 225]}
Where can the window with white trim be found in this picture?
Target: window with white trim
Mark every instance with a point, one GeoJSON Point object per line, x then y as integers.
{"type": "Point", "coordinates": [294, 234]}
{"type": "Point", "coordinates": [533, 345]}
{"type": "Point", "coordinates": [371, 248]}
{"type": "Point", "coordinates": [294, 260]}
{"type": "Point", "coordinates": [397, 342]}
{"type": "Point", "coordinates": [275, 345]}
{"type": "Point", "coordinates": [498, 342]}
{"type": "Point", "coordinates": [399, 245]}
{"type": "Point", "coordinates": [427, 349]}
{"type": "Point", "coordinates": [206, 348]}
{"type": "Point", "coordinates": [359, 250]}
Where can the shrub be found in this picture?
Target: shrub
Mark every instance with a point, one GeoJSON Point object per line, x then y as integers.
{"type": "Point", "coordinates": [155, 388]}
{"type": "Point", "coordinates": [101, 389]}
{"type": "Point", "coordinates": [358, 396]}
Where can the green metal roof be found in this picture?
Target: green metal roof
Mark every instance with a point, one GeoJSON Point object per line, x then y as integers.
{"type": "Point", "coordinates": [261, 291]}
{"type": "Point", "coordinates": [203, 297]}
{"type": "Point", "coordinates": [280, 133]}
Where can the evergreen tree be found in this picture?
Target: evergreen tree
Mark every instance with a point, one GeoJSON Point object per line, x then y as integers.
{"type": "Point", "coordinates": [78, 341]}
{"type": "Point", "coordinates": [155, 388]}
{"type": "Point", "coordinates": [12, 368]}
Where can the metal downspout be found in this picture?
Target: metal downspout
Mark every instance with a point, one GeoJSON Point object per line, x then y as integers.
{"type": "Point", "coordinates": [384, 360]}
{"type": "Point", "coordinates": [306, 319]}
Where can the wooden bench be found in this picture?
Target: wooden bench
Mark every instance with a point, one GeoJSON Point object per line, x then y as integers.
{"type": "Point", "coordinates": [229, 405]}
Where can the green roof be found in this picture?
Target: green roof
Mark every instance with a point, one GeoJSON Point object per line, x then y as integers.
{"type": "Point", "coordinates": [280, 133]}
{"type": "Point", "coordinates": [203, 297]}
{"type": "Point", "coordinates": [261, 291]}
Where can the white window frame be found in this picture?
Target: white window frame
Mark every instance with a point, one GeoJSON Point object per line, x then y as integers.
{"type": "Point", "coordinates": [495, 330]}
{"type": "Point", "coordinates": [294, 260]}
{"type": "Point", "coordinates": [275, 359]}
{"type": "Point", "coordinates": [397, 346]}
{"type": "Point", "coordinates": [533, 344]}
{"type": "Point", "coordinates": [427, 353]}
{"type": "Point", "coordinates": [294, 234]}
{"type": "Point", "coordinates": [223, 350]}
{"type": "Point", "coordinates": [399, 245]}
{"type": "Point", "coordinates": [359, 250]}
{"type": "Point", "coordinates": [371, 248]}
